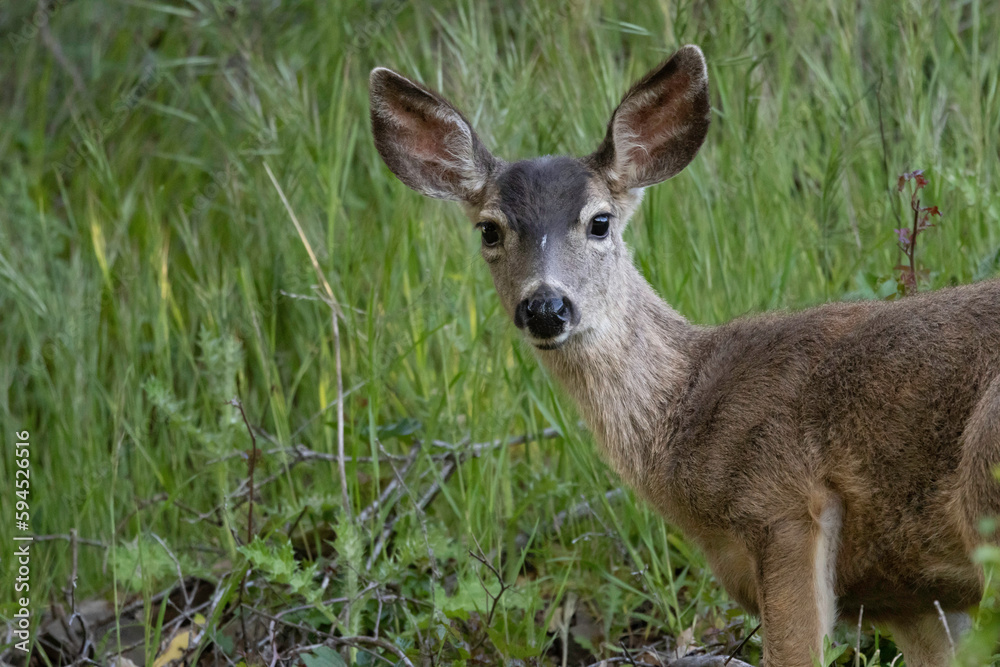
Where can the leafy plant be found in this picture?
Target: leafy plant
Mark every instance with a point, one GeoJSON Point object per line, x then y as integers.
{"type": "Point", "coordinates": [278, 564]}
{"type": "Point", "coordinates": [910, 275]}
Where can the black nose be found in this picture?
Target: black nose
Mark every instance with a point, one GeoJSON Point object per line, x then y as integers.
{"type": "Point", "coordinates": [545, 313]}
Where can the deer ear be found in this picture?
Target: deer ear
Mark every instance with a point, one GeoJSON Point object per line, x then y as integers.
{"type": "Point", "coordinates": [425, 141]}
{"type": "Point", "coordinates": [659, 125]}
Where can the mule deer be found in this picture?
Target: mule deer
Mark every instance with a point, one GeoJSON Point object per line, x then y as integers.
{"type": "Point", "coordinates": [823, 460]}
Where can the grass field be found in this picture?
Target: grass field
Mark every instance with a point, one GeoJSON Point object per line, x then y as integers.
{"type": "Point", "coordinates": [150, 273]}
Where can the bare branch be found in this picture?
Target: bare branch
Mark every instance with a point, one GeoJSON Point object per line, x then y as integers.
{"type": "Point", "coordinates": [481, 557]}
{"type": "Point", "coordinates": [235, 402]}
{"type": "Point", "coordinates": [335, 313]}
{"type": "Point", "coordinates": [739, 647]}
{"type": "Point", "coordinates": [360, 641]}
{"type": "Point", "coordinates": [70, 538]}
{"type": "Point", "coordinates": [947, 630]}
{"type": "Point", "coordinates": [393, 486]}
{"type": "Point", "coordinates": [628, 656]}
{"type": "Point", "coordinates": [708, 661]}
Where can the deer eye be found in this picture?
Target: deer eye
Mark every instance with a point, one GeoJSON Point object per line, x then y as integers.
{"type": "Point", "coordinates": [491, 233]}
{"type": "Point", "coordinates": [599, 225]}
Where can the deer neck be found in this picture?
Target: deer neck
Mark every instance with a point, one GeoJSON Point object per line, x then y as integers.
{"type": "Point", "coordinates": [627, 376]}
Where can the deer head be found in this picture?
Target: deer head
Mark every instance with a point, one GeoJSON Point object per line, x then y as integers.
{"type": "Point", "coordinates": [551, 226]}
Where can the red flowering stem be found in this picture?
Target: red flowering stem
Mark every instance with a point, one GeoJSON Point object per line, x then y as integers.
{"type": "Point", "coordinates": [912, 251]}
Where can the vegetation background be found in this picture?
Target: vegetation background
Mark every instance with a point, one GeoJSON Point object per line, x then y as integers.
{"type": "Point", "coordinates": [150, 273]}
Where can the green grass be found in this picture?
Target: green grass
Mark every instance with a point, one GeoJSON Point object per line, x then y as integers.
{"type": "Point", "coordinates": [148, 274]}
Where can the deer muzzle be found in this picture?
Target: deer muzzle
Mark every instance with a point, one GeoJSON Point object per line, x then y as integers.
{"type": "Point", "coordinates": [546, 314]}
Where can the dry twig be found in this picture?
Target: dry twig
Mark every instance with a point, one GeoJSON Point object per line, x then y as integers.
{"type": "Point", "coordinates": [238, 404]}
{"type": "Point", "coordinates": [944, 622]}
{"type": "Point", "coordinates": [334, 305]}
{"type": "Point", "coordinates": [494, 599]}
{"type": "Point", "coordinates": [739, 647]}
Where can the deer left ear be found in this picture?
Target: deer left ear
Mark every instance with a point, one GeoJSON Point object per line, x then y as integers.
{"type": "Point", "coordinates": [659, 125]}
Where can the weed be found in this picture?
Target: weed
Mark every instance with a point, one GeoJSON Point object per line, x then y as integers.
{"type": "Point", "coordinates": [910, 276]}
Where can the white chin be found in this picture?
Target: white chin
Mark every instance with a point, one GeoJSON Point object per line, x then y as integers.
{"type": "Point", "coordinates": [550, 343]}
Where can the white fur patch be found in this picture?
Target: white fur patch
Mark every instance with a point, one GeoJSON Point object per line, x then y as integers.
{"type": "Point", "coordinates": [550, 342]}
{"type": "Point", "coordinates": [825, 567]}
{"type": "Point", "coordinates": [594, 205]}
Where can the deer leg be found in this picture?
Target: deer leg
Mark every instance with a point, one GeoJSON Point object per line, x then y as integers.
{"type": "Point", "coordinates": [796, 585]}
{"type": "Point", "coordinates": [925, 641]}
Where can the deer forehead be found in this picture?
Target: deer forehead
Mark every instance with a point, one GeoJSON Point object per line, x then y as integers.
{"type": "Point", "coordinates": [541, 200]}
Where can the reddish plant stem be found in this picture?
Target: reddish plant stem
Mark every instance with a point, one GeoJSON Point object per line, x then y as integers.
{"type": "Point", "coordinates": [912, 251]}
{"type": "Point", "coordinates": [253, 464]}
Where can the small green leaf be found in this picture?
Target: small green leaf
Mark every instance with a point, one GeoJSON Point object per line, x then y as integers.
{"type": "Point", "coordinates": [278, 564]}
{"type": "Point", "coordinates": [323, 656]}
{"type": "Point", "coordinates": [887, 289]}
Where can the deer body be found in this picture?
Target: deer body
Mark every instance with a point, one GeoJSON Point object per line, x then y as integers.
{"type": "Point", "coordinates": [823, 460]}
{"type": "Point", "coordinates": [849, 418]}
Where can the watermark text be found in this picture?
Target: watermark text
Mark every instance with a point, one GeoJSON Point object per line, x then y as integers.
{"type": "Point", "coordinates": [22, 540]}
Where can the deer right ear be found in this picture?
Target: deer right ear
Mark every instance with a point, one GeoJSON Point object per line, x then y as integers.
{"type": "Point", "coordinates": [659, 125]}
{"type": "Point", "coordinates": [425, 141]}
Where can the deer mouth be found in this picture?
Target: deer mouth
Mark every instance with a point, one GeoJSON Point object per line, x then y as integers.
{"type": "Point", "coordinates": [553, 343]}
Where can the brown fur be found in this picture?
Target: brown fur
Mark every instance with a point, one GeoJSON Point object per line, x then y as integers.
{"type": "Point", "coordinates": [824, 460]}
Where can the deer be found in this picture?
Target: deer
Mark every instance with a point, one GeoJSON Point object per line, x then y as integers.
{"type": "Point", "coordinates": [826, 461]}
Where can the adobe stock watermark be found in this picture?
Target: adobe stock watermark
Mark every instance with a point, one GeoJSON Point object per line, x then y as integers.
{"type": "Point", "coordinates": [21, 487]}
{"type": "Point", "coordinates": [222, 178]}
{"type": "Point", "coordinates": [39, 19]}
{"type": "Point", "coordinates": [564, 10]}
{"type": "Point", "coordinates": [123, 107]}
{"type": "Point", "coordinates": [368, 30]}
